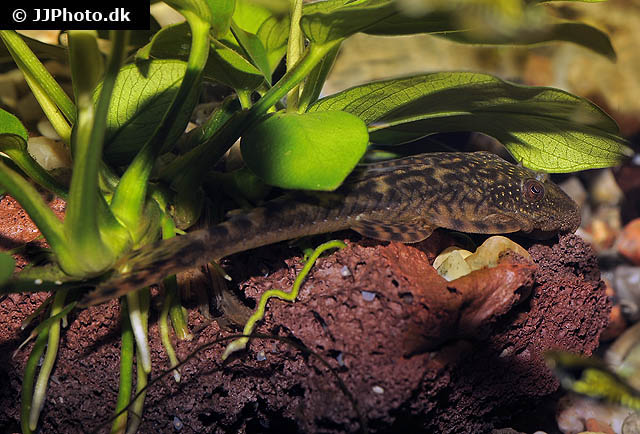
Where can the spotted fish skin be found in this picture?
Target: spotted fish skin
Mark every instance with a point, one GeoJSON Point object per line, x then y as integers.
{"type": "Point", "coordinates": [397, 200]}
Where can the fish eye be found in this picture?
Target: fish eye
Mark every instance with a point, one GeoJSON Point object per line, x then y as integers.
{"type": "Point", "coordinates": [533, 190]}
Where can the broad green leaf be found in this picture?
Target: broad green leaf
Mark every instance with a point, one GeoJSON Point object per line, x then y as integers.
{"type": "Point", "coordinates": [544, 128]}
{"type": "Point", "coordinates": [7, 265]}
{"type": "Point", "coordinates": [250, 15]}
{"type": "Point", "coordinates": [142, 94]}
{"type": "Point", "coordinates": [227, 66]}
{"type": "Point", "coordinates": [12, 133]}
{"type": "Point", "coordinates": [224, 64]}
{"type": "Point", "coordinates": [577, 33]}
{"type": "Point", "coordinates": [331, 20]}
{"type": "Point", "coordinates": [326, 21]}
{"type": "Point", "coordinates": [274, 34]}
{"type": "Point", "coordinates": [312, 151]}
{"type": "Point", "coordinates": [269, 24]}
{"type": "Point", "coordinates": [252, 45]}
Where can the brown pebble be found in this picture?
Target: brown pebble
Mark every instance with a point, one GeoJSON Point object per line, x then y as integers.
{"type": "Point", "coordinates": [597, 426]}
{"type": "Point", "coordinates": [629, 241]}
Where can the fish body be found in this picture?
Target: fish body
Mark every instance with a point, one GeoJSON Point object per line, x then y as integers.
{"type": "Point", "coordinates": [397, 200]}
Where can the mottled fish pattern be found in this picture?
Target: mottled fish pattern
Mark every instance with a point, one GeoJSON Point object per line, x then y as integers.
{"type": "Point", "coordinates": [396, 200]}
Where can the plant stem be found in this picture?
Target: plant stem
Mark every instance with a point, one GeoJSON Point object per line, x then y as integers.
{"type": "Point", "coordinates": [82, 219]}
{"type": "Point", "coordinates": [200, 159]}
{"type": "Point", "coordinates": [126, 371]}
{"type": "Point", "coordinates": [40, 391]}
{"type": "Point", "coordinates": [28, 379]}
{"type": "Point", "coordinates": [136, 316]}
{"type": "Point", "coordinates": [294, 51]}
{"type": "Point", "coordinates": [57, 106]}
{"type": "Point", "coordinates": [138, 405]}
{"type": "Point", "coordinates": [171, 290]}
{"type": "Point", "coordinates": [163, 326]}
{"type": "Point", "coordinates": [128, 200]}
{"type": "Point", "coordinates": [141, 377]}
{"type": "Point", "coordinates": [312, 56]}
{"type": "Point", "coordinates": [35, 172]}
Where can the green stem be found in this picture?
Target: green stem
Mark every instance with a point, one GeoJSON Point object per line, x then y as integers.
{"type": "Point", "coordinates": [244, 96]}
{"type": "Point", "coordinates": [294, 51]}
{"type": "Point", "coordinates": [57, 106]}
{"type": "Point", "coordinates": [163, 326]}
{"type": "Point", "coordinates": [312, 56]}
{"type": "Point", "coordinates": [82, 219]}
{"type": "Point", "coordinates": [171, 289]}
{"type": "Point", "coordinates": [35, 172]}
{"type": "Point", "coordinates": [40, 392]}
{"type": "Point", "coordinates": [126, 372]}
{"type": "Point", "coordinates": [129, 198]}
{"type": "Point", "coordinates": [201, 158]}
{"type": "Point", "coordinates": [141, 378]}
{"type": "Point", "coordinates": [46, 221]}
{"type": "Point", "coordinates": [138, 405]}
{"type": "Point", "coordinates": [291, 296]}
{"type": "Point", "coordinates": [137, 315]}
{"type": "Point", "coordinates": [28, 379]}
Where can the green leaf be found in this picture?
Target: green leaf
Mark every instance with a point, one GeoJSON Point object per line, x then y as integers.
{"type": "Point", "coordinates": [313, 151]}
{"type": "Point", "coordinates": [330, 20]}
{"type": "Point", "coordinates": [544, 128]}
{"type": "Point", "coordinates": [254, 49]}
{"type": "Point", "coordinates": [224, 64]}
{"type": "Point", "coordinates": [227, 66]}
{"type": "Point", "coordinates": [222, 11]}
{"type": "Point", "coordinates": [274, 34]}
{"type": "Point", "coordinates": [7, 265]}
{"type": "Point", "coordinates": [577, 33]}
{"type": "Point", "coordinates": [142, 94]}
{"type": "Point", "coordinates": [12, 133]}
{"type": "Point", "coordinates": [13, 142]}
{"type": "Point", "coordinates": [269, 25]}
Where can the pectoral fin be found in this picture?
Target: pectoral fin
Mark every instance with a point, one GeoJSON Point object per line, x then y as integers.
{"type": "Point", "coordinates": [501, 223]}
{"type": "Point", "coordinates": [409, 231]}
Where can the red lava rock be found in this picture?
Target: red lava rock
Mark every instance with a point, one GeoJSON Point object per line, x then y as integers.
{"type": "Point", "coordinates": [370, 311]}
{"type": "Point", "coordinates": [629, 241]}
{"type": "Point", "coordinates": [17, 228]}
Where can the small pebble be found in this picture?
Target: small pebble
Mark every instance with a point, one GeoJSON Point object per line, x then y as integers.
{"type": "Point", "coordinates": [604, 189]}
{"type": "Point", "coordinates": [377, 389]}
{"type": "Point", "coordinates": [629, 241]}
{"type": "Point", "coordinates": [177, 423]}
{"type": "Point", "coordinates": [368, 296]}
{"type": "Point", "coordinates": [626, 282]}
{"type": "Point", "coordinates": [345, 272]}
{"type": "Point", "coordinates": [260, 357]}
{"type": "Point", "coordinates": [340, 359]}
{"type": "Point", "coordinates": [631, 424]}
